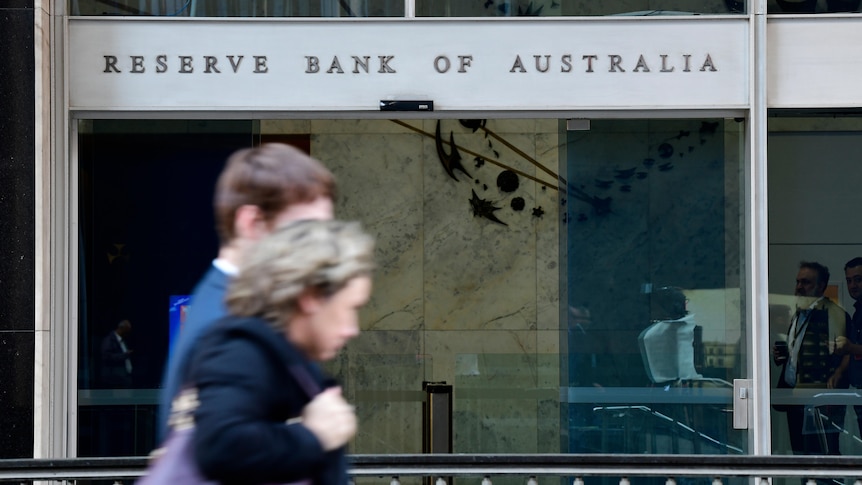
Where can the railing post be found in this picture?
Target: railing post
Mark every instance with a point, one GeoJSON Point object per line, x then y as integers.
{"type": "Point", "coordinates": [437, 423]}
{"type": "Point", "coordinates": [437, 418]}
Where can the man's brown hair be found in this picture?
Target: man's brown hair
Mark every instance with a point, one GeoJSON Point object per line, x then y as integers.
{"type": "Point", "coordinates": [272, 177]}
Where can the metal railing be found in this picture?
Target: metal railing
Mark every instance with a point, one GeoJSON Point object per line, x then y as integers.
{"type": "Point", "coordinates": [390, 468]}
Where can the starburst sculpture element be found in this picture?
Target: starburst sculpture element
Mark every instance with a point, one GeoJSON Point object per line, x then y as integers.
{"type": "Point", "coordinates": [484, 208]}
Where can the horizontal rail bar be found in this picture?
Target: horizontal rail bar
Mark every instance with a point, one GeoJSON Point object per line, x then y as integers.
{"type": "Point", "coordinates": [617, 465]}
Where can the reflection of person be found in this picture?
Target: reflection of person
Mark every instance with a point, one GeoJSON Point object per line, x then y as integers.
{"type": "Point", "coordinates": [258, 190]}
{"type": "Point", "coordinates": [116, 358]}
{"type": "Point", "coordinates": [591, 368]}
{"type": "Point", "coordinates": [294, 302]}
{"type": "Point", "coordinates": [668, 344]}
{"type": "Point", "coordinates": [584, 349]}
{"type": "Point", "coordinates": [810, 361]}
{"type": "Point", "coordinates": [852, 344]}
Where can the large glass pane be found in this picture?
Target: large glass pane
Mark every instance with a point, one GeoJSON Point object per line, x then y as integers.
{"type": "Point", "coordinates": [145, 237]}
{"type": "Point", "coordinates": [466, 292]}
{"type": "Point", "coordinates": [240, 8]}
{"type": "Point", "coordinates": [655, 333]}
{"type": "Point", "coordinates": [494, 277]}
{"type": "Point", "coordinates": [518, 8]}
{"type": "Point", "coordinates": [815, 283]}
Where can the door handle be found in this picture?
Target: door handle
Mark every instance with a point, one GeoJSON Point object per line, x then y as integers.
{"type": "Point", "coordinates": [741, 403]}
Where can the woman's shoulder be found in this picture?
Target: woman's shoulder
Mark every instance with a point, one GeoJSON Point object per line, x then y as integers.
{"type": "Point", "coordinates": [244, 332]}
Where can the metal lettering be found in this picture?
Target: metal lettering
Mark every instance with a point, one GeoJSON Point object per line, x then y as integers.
{"type": "Point", "coordinates": [111, 64]}
{"type": "Point", "coordinates": [664, 67]}
{"type": "Point", "coordinates": [161, 63]}
{"type": "Point", "coordinates": [313, 64]}
{"type": "Point", "coordinates": [641, 65]}
{"type": "Point", "coordinates": [446, 64]}
{"type": "Point", "coordinates": [590, 59]}
{"type": "Point", "coordinates": [567, 63]}
{"type": "Point", "coordinates": [518, 65]}
{"type": "Point", "coordinates": [137, 64]}
{"type": "Point", "coordinates": [465, 63]}
{"type": "Point", "coordinates": [335, 66]}
{"type": "Point", "coordinates": [260, 65]}
{"type": "Point", "coordinates": [384, 64]}
{"type": "Point", "coordinates": [211, 62]}
{"type": "Point", "coordinates": [363, 63]}
{"type": "Point", "coordinates": [708, 64]}
{"type": "Point", "coordinates": [186, 65]}
{"type": "Point", "coordinates": [615, 63]}
{"type": "Point", "coordinates": [235, 64]}
{"type": "Point", "coordinates": [539, 66]}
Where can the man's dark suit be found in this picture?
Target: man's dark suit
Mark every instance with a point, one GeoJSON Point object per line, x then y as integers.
{"type": "Point", "coordinates": [114, 372]}
{"type": "Point", "coordinates": [815, 366]}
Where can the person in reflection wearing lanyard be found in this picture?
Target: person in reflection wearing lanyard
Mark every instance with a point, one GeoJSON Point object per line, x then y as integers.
{"type": "Point", "coordinates": [852, 344]}
{"type": "Point", "coordinates": [810, 360]}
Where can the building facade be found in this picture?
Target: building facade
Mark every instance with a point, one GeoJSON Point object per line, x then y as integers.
{"type": "Point", "coordinates": [589, 217]}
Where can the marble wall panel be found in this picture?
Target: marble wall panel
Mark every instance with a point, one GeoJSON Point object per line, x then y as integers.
{"type": "Point", "coordinates": [460, 353]}
{"type": "Point", "coordinates": [387, 393]}
{"type": "Point", "coordinates": [378, 176]}
{"type": "Point", "coordinates": [457, 297]}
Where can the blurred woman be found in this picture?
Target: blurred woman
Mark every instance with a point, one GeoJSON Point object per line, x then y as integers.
{"type": "Point", "coordinates": [265, 411]}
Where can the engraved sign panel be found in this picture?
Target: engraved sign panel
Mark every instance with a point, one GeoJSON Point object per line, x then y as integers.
{"type": "Point", "coordinates": [353, 65]}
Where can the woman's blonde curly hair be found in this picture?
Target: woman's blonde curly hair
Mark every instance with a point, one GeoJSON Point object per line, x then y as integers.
{"type": "Point", "coordinates": [309, 254]}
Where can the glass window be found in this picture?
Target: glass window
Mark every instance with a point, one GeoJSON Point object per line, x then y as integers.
{"type": "Point", "coordinates": [516, 259]}
{"type": "Point", "coordinates": [814, 240]}
{"type": "Point", "coordinates": [654, 287]}
{"type": "Point", "coordinates": [812, 6]}
{"type": "Point", "coordinates": [526, 8]}
{"type": "Point", "coordinates": [240, 8]}
{"type": "Point", "coordinates": [145, 237]}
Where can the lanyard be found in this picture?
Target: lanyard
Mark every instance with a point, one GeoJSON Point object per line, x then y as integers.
{"type": "Point", "coordinates": [797, 330]}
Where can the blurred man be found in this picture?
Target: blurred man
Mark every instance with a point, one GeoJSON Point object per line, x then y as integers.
{"type": "Point", "coordinates": [810, 361]}
{"type": "Point", "coordinates": [259, 190]}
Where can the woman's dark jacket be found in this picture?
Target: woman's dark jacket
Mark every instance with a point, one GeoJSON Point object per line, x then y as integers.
{"type": "Point", "coordinates": [247, 392]}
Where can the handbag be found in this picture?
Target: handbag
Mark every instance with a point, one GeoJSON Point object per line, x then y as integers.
{"type": "Point", "coordinates": [174, 462]}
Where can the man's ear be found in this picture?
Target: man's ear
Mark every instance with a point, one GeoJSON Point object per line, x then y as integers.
{"type": "Point", "coordinates": [249, 222]}
{"type": "Point", "coordinates": [309, 301]}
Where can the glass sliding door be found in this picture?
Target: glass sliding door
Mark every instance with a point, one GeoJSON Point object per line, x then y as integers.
{"type": "Point", "coordinates": [654, 328]}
